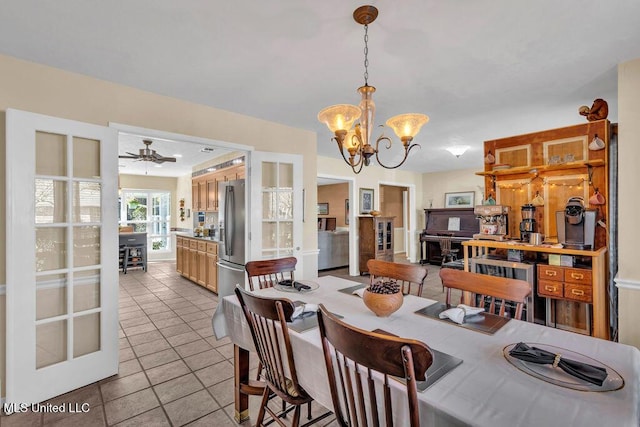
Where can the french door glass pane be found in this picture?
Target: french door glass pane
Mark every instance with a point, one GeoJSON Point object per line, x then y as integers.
{"type": "Point", "coordinates": [51, 296]}
{"type": "Point", "coordinates": [285, 178]}
{"type": "Point", "coordinates": [86, 245]}
{"type": "Point", "coordinates": [51, 248]}
{"type": "Point", "coordinates": [269, 175]}
{"type": "Point", "coordinates": [51, 343]}
{"type": "Point", "coordinates": [86, 290]}
{"type": "Point", "coordinates": [86, 334]}
{"type": "Point", "coordinates": [86, 201]}
{"type": "Point", "coordinates": [269, 239]}
{"type": "Point", "coordinates": [50, 201]}
{"type": "Point", "coordinates": [51, 154]}
{"type": "Point", "coordinates": [86, 158]}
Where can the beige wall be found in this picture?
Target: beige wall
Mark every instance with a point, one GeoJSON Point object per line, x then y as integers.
{"type": "Point", "coordinates": [437, 183]}
{"type": "Point", "coordinates": [335, 195]}
{"type": "Point", "coordinates": [628, 278]}
{"type": "Point", "coordinates": [40, 89]}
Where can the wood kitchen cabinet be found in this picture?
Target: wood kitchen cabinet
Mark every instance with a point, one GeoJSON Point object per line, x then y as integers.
{"type": "Point", "coordinates": [204, 188]}
{"type": "Point", "coordinates": [376, 239]}
{"type": "Point", "coordinates": [196, 260]}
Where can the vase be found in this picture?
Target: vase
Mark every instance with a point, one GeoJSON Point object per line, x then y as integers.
{"type": "Point", "coordinates": [382, 304]}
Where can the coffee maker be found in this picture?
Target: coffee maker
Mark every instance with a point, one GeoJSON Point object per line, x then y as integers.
{"type": "Point", "coordinates": [494, 222]}
{"type": "Point", "coordinates": [528, 223]}
{"type": "Point", "coordinates": [576, 225]}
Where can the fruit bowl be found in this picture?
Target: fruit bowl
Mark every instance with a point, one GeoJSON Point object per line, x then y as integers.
{"type": "Point", "coordinates": [383, 305]}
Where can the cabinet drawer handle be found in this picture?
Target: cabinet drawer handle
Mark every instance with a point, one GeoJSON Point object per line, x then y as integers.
{"type": "Point", "coordinates": [578, 276]}
{"type": "Point", "coordinates": [577, 292]}
{"type": "Point", "coordinates": [549, 288]}
{"type": "Point", "coordinates": [550, 273]}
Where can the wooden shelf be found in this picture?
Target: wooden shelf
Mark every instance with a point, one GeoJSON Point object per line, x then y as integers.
{"type": "Point", "coordinates": [544, 168]}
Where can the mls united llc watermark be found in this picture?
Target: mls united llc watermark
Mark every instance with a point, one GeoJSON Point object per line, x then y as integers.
{"type": "Point", "coordinates": [70, 408]}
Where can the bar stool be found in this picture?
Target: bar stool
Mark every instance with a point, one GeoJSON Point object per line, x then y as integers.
{"type": "Point", "coordinates": [131, 254]}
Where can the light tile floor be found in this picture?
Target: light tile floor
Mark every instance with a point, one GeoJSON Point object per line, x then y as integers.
{"type": "Point", "coordinates": [173, 371]}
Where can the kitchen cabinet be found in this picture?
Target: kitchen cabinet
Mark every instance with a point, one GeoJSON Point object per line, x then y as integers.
{"type": "Point", "coordinates": [376, 239]}
{"type": "Point", "coordinates": [204, 188]}
{"type": "Point", "coordinates": [196, 260]}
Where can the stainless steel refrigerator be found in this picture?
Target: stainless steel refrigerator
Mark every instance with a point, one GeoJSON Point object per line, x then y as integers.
{"type": "Point", "coordinates": [231, 245]}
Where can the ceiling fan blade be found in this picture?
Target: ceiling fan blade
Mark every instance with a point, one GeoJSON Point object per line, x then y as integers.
{"type": "Point", "coordinates": [127, 157]}
{"type": "Point", "coordinates": [168, 159]}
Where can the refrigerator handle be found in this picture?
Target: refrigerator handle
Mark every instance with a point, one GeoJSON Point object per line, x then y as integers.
{"type": "Point", "coordinates": [229, 208]}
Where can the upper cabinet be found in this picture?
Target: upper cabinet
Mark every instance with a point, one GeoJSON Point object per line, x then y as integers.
{"type": "Point", "coordinates": [204, 188]}
{"type": "Point", "coordinates": [547, 168]}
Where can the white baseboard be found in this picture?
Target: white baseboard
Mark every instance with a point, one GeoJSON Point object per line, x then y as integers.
{"type": "Point", "coordinates": [627, 283]}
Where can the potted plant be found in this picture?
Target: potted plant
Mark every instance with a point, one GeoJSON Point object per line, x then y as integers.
{"type": "Point", "coordinates": [383, 297]}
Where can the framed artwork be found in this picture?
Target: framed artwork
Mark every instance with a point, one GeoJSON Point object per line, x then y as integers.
{"type": "Point", "coordinates": [323, 208]}
{"type": "Point", "coordinates": [346, 211]}
{"type": "Point", "coordinates": [366, 200]}
{"type": "Point", "coordinates": [459, 200]}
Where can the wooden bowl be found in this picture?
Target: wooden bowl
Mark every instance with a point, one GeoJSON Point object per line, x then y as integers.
{"type": "Point", "coordinates": [375, 213]}
{"type": "Point", "coordinates": [382, 304]}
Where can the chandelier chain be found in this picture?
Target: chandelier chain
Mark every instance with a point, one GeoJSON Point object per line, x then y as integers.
{"type": "Point", "coordinates": [366, 55]}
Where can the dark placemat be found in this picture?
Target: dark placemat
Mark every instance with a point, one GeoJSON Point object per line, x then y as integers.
{"type": "Point", "coordinates": [443, 363]}
{"type": "Point", "coordinates": [486, 323]}
{"type": "Point", "coordinates": [307, 320]}
{"type": "Point", "coordinates": [350, 289]}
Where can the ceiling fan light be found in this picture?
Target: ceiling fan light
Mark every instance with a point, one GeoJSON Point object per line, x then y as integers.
{"type": "Point", "coordinates": [457, 150]}
{"type": "Point", "coordinates": [339, 117]}
{"type": "Point", "coordinates": [407, 126]}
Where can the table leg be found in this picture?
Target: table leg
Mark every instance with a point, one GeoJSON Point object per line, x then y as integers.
{"type": "Point", "coordinates": [241, 376]}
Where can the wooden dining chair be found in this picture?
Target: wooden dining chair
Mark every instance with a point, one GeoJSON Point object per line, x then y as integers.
{"type": "Point", "coordinates": [266, 273]}
{"type": "Point", "coordinates": [448, 254]}
{"type": "Point", "coordinates": [409, 276]}
{"type": "Point", "coordinates": [354, 357]}
{"type": "Point", "coordinates": [267, 319]}
{"type": "Point", "coordinates": [483, 286]}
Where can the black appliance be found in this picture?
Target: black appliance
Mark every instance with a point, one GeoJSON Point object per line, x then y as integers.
{"type": "Point", "coordinates": [528, 223]}
{"type": "Point", "coordinates": [576, 225]}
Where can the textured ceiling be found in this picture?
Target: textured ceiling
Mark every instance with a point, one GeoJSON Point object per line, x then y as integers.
{"type": "Point", "coordinates": [481, 69]}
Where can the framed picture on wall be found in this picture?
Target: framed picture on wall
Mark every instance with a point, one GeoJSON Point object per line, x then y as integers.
{"type": "Point", "coordinates": [323, 208]}
{"type": "Point", "coordinates": [459, 200]}
{"type": "Point", "coordinates": [346, 211]}
{"type": "Point", "coordinates": [366, 200]}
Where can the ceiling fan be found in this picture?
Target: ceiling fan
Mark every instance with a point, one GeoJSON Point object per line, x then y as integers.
{"type": "Point", "coordinates": [148, 155]}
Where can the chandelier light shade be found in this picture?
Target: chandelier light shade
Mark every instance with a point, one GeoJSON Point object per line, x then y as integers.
{"type": "Point", "coordinates": [458, 150]}
{"type": "Point", "coordinates": [340, 118]}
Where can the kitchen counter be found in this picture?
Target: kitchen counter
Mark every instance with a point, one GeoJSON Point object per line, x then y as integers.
{"type": "Point", "coordinates": [190, 235]}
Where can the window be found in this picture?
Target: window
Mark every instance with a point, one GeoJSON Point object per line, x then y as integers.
{"type": "Point", "coordinates": [148, 212]}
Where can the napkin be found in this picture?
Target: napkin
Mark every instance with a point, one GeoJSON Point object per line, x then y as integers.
{"type": "Point", "coordinates": [457, 314]}
{"type": "Point", "coordinates": [304, 310]}
{"type": "Point", "coordinates": [359, 292]}
{"type": "Point", "coordinates": [593, 374]}
{"type": "Point", "coordinates": [301, 286]}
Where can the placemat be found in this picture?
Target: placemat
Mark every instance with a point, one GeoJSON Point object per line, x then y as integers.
{"type": "Point", "coordinates": [486, 323]}
{"type": "Point", "coordinates": [443, 363]}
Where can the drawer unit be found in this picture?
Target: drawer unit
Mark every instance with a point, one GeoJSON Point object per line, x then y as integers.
{"type": "Point", "coordinates": [212, 248]}
{"type": "Point", "coordinates": [193, 244]}
{"type": "Point", "coordinates": [565, 283]}
{"type": "Point", "coordinates": [550, 289]}
{"type": "Point", "coordinates": [578, 292]}
{"type": "Point", "coordinates": [577, 275]}
{"type": "Point", "coordinates": [202, 246]}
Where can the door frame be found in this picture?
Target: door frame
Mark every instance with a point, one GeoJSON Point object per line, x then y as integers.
{"type": "Point", "coordinates": [410, 211]}
{"type": "Point", "coordinates": [354, 252]}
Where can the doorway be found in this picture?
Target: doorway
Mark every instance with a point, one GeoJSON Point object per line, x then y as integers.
{"type": "Point", "coordinates": [337, 243]}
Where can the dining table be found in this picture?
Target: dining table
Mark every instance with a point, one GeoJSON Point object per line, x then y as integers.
{"type": "Point", "coordinates": [486, 389]}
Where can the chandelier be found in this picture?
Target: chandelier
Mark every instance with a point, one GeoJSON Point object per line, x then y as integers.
{"type": "Point", "coordinates": [339, 118]}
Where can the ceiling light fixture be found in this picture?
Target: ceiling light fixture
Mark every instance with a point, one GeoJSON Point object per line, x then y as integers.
{"type": "Point", "coordinates": [458, 150]}
{"type": "Point", "coordinates": [339, 118]}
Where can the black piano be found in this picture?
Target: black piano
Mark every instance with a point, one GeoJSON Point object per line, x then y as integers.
{"type": "Point", "coordinates": [459, 223]}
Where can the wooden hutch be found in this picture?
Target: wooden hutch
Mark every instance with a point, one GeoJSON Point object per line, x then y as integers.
{"type": "Point", "coordinates": [549, 167]}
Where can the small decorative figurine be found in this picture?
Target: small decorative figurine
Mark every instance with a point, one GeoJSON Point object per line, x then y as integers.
{"type": "Point", "coordinates": [598, 111]}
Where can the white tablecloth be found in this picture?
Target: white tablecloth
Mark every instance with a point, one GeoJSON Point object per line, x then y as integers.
{"type": "Point", "coordinates": [485, 390]}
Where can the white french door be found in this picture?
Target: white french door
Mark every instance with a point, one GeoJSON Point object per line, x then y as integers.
{"type": "Point", "coordinates": [62, 275]}
{"type": "Point", "coordinates": [276, 206]}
